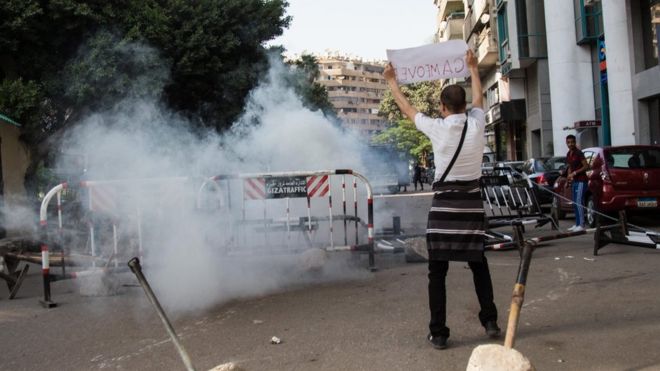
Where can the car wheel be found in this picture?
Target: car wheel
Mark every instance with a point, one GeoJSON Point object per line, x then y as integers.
{"type": "Point", "coordinates": [556, 212]}
{"type": "Point", "coordinates": [590, 212]}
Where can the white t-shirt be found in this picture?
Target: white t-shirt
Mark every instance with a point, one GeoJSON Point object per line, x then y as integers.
{"type": "Point", "coordinates": [445, 135]}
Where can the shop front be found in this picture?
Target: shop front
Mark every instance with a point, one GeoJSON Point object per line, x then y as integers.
{"type": "Point", "coordinates": [505, 130]}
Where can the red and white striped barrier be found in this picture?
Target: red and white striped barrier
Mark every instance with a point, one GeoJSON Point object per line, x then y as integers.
{"type": "Point", "coordinates": [254, 189]}
{"type": "Point", "coordinates": [317, 184]}
{"type": "Point", "coordinates": [102, 196]}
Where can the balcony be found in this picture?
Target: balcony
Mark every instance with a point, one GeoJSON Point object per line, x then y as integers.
{"type": "Point", "coordinates": [474, 22]}
{"type": "Point", "coordinates": [486, 48]}
{"type": "Point", "coordinates": [450, 29]}
{"type": "Point", "coordinates": [479, 7]}
{"type": "Point", "coordinates": [446, 7]}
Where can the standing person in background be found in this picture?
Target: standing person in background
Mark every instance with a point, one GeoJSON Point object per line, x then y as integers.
{"type": "Point", "coordinates": [577, 177]}
{"type": "Point", "coordinates": [417, 176]}
{"type": "Point", "coordinates": [455, 229]}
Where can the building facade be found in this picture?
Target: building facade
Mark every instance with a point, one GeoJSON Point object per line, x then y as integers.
{"type": "Point", "coordinates": [525, 86]}
{"type": "Point", "coordinates": [604, 71]}
{"type": "Point", "coordinates": [596, 70]}
{"type": "Point", "coordinates": [355, 88]}
{"type": "Point", "coordinates": [584, 67]}
{"type": "Point", "coordinates": [475, 22]}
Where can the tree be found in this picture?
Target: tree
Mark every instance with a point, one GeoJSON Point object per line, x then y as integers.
{"type": "Point", "coordinates": [314, 95]}
{"type": "Point", "coordinates": [60, 59]}
{"type": "Point", "coordinates": [402, 133]}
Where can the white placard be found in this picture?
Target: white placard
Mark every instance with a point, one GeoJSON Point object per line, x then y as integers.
{"type": "Point", "coordinates": [429, 62]}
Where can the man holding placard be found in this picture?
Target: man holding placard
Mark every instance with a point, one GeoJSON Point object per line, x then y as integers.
{"type": "Point", "coordinates": [455, 230]}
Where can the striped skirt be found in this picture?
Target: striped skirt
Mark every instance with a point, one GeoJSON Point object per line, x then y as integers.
{"type": "Point", "coordinates": [455, 229]}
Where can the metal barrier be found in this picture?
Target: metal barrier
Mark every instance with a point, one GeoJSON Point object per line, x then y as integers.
{"type": "Point", "coordinates": [103, 197]}
{"type": "Point", "coordinates": [497, 187]}
{"type": "Point", "coordinates": [286, 186]}
{"type": "Point", "coordinates": [624, 233]}
{"type": "Point", "coordinates": [97, 200]}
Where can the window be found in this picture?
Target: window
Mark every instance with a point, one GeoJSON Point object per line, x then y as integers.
{"type": "Point", "coordinates": [530, 18]}
{"type": "Point", "coordinates": [588, 21]}
{"type": "Point", "coordinates": [589, 156]}
{"type": "Point", "coordinates": [650, 31]}
{"type": "Point", "coordinates": [502, 33]}
{"type": "Point", "coordinates": [627, 158]}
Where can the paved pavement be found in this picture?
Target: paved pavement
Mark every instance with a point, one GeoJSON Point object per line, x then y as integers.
{"type": "Point", "coordinates": [581, 312]}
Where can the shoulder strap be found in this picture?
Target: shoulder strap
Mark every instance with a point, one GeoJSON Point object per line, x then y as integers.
{"type": "Point", "coordinates": [453, 159]}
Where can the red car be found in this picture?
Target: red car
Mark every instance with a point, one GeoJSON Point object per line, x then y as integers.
{"type": "Point", "coordinates": [620, 178]}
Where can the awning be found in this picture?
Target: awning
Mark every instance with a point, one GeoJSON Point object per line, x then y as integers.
{"type": "Point", "coordinates": [513, 110]}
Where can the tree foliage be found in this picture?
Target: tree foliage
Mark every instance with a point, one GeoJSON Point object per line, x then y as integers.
{"type": "Point", "coordinates": [314, 95]}
{"type": "Point", "coordinates": [60, 59]}
{"type": "Point", "coordinates": [402, 134]}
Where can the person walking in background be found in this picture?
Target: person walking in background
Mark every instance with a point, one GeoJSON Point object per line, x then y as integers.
{"type": "Point", "coordinates": [577, 177]}
{"type": "Point", "coordinates": [455, 229]}
{"type": "Point", "coordinates": [417, 176]}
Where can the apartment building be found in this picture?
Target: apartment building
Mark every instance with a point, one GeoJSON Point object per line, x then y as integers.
{"type": "Point", "coordinates": [474, 21]}
{"type": "Point", "coordinates": [355, 88]}
{"type": "Point", "coordinates": [584, 67]}
{"type": "Point", "coordinates": [523, 66]}
{"type": "Point", "coordinates": [604, 72]}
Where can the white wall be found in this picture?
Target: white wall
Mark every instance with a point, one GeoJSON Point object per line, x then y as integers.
{"type": "Point", "coordinates": [619, 74]}
{"type": "Point", "coordinates": [569, 68]}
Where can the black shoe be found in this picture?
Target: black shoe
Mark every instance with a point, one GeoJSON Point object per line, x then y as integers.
{"type": "Point", "coordinates": [492, 329]}
{"type": "Point", "coordinates": [438, 342]}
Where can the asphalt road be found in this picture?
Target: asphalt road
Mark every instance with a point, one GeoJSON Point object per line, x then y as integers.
{"type": "Point", "coordinates": [581, 312]}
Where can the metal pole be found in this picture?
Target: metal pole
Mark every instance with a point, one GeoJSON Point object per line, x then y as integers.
{"type": "Point", "coordinates": [355, 207]}
{"type": "Point", "coordinates": [45, 265]}
{"type": "Point", "coordinates": [114, 243]}
{"type": "Point", "coordinates": [134, 264]}
{"type": "Point", "coordinates": [288, 224]}
{"type": "Point", "coordinates": [343, 201]}
{"type": "Point", "coordinates": [139, 230]}
{"type": "Point", "coordinates": [332, 241]}
{"type": "Point", "coordinates": [60, 231]}
{"type": "Point", "coordinates": [91, 227]}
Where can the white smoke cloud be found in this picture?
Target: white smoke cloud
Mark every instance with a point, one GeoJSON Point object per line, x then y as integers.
{"type": "Point", "coordinates": [195, 258]}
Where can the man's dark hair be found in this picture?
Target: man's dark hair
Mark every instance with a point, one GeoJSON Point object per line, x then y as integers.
{"type": "Point", "coordinates": [570, 136]}
{"type": "Point", "coordinates": [453, 97]}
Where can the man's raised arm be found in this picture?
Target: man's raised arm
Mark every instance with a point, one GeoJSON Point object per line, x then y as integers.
{"type": "Point", "coordinates": [399, 98]}
{"type": "Point", "coordinates": [477, 96]}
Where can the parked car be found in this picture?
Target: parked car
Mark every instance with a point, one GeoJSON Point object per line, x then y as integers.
{"type": "Point", "coordinates": [620, 178]}
{"type": "Point", "coordinates": [544, 171]}
{"type": "Point", "coordinates": [492, 167]}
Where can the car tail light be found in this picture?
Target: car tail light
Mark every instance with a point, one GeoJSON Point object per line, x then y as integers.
{"type": "Point", "coordinates": [541, 180]}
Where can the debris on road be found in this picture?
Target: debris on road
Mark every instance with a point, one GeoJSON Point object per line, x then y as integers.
{"type": "Point", "coordinates": [275, 340]}
{"type": "Point", "coordinates": [230, 366]}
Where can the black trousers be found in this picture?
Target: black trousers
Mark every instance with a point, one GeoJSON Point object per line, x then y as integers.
{"type": "Point", "coordinates": [418, 180]}
{"type": "Point", "coordinates": [438, 294]}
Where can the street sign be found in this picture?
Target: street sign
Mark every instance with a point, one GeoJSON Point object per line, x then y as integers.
{"type": "Point", "coordinates": [586, 124]}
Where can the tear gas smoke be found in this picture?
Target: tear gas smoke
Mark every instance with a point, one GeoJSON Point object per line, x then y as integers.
{"type": "Point", "coordinates": [184, 257]}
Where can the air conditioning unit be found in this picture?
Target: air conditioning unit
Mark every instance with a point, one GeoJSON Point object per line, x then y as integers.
{"type": "Point", "coordinates": [590, 2]}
